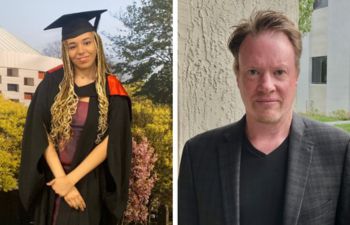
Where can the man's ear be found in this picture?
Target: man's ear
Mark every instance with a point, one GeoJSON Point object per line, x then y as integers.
{"type": "Point", "coordinates": [297, 80]}
{"type": "Point", "coordinates": [237, 76]}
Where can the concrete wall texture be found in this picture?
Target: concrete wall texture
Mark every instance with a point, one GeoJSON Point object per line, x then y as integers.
{"type": "Point", "coordinates": [303, 102]}
{"type": "Point", "coordinates": [207, 91]}
{"type": "Point", "coordinates": [311, 97]}
{"type": "Point", "coordinates": [319, 31]}
{"type": "Point", "coordinates": [338, 48]}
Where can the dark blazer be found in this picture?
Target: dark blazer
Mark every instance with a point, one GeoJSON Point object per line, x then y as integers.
{"type": "Point", "coordinates": [317, 183]}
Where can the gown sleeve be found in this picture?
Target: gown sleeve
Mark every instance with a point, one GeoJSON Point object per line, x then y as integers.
{"type": "Point", "coordinates": [34, 143]}
{"type": "Point", "coordinates": [118, 155]}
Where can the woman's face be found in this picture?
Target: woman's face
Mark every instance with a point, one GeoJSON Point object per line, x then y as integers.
{"type": "Point", "coordinates": [82, 51]}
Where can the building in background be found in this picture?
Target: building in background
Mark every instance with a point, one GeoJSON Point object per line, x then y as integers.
{"type": "Point", "coordinates": [21, 68]}
{"type": "Point", "coordinates": [324, 83]}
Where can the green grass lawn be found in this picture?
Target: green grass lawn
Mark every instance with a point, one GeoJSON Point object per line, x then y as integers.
{"type": "Point", "coordinates": [345, 127]}
{"type": "Point", "coordinates": [321, 118]}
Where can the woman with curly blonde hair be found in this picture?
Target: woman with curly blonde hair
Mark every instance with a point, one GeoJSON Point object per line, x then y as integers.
{"type": "Point", "coordinates": [77, 144]}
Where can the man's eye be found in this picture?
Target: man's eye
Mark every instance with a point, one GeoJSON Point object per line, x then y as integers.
{"type": "Point", "coordinates": [253, 72]}
{"type": "Point", "coordinates": [280, 72]}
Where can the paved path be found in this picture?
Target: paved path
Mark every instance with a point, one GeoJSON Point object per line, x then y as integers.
{"type": "Point", "coordinates": [338, 122]}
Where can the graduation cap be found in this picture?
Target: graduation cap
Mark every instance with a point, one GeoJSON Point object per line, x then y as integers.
{"type": "Point", "coordinates": [76, 23]}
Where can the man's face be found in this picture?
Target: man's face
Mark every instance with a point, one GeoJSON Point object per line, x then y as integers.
{"type": "Point", "coordinates": [267, 76]}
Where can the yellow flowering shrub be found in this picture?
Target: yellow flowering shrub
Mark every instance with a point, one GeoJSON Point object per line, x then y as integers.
{"type": "Point", "coordinates": [12, 119]}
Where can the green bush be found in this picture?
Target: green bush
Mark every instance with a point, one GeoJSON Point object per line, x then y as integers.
{"type": "Point", "coordinates": [12, 119]}
{"type": "Point", "coordinates": [341, 114]}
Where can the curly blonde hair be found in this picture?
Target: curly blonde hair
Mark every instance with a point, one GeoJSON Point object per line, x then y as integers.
{"type": "Point", "coordinates": [66, 101]}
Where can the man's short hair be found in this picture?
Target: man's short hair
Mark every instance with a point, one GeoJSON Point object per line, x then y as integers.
{"type": "Point", "coordinates": [261, 21]}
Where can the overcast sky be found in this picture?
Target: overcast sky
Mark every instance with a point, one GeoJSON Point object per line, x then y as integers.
{"type": "Point", "coordinates": [26, 19]}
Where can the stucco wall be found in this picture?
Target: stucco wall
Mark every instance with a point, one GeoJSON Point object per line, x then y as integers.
{"type": "Point", "coordinates": [207, 92]}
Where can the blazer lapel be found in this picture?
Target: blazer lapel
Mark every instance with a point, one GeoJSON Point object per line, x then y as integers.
{"type": "Point", "coordinates": [229, 152]}
{"type": "Point", "coordinates": [299, 160]}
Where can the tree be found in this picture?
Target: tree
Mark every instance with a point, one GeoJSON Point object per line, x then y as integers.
{"type": "Point", "coordinates": [154, 121]}
{"type": "Point", "coordinates": [53, 49]}
{"type": "Point", "coordinates": [12, 119]}
{"type": "Point", "coordinates": [145, 50]}
{"type": "Point", "coordinates": [305, 13]}
{"type": "Point", "coordinates": [158, 85]}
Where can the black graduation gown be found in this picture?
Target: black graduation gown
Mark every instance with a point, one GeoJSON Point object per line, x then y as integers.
{"type": "Point", "coordinates": [105, 189]}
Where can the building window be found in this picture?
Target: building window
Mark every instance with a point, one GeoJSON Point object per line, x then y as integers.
{"type": "Point", "coordinates": [12, 87]}
{"type": "Point", "coordinates": [319, 70]}
{"type": "Point", "coordinates": [28, 95]}
{"type": "Point", "coordinates": [41, 75]}
{"type": "Point", "coordinates": [12, 72]}
{"type": "Point", "coordinates": [320, 4]}
{"type": "Point", "coordinates": [29, 81]}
